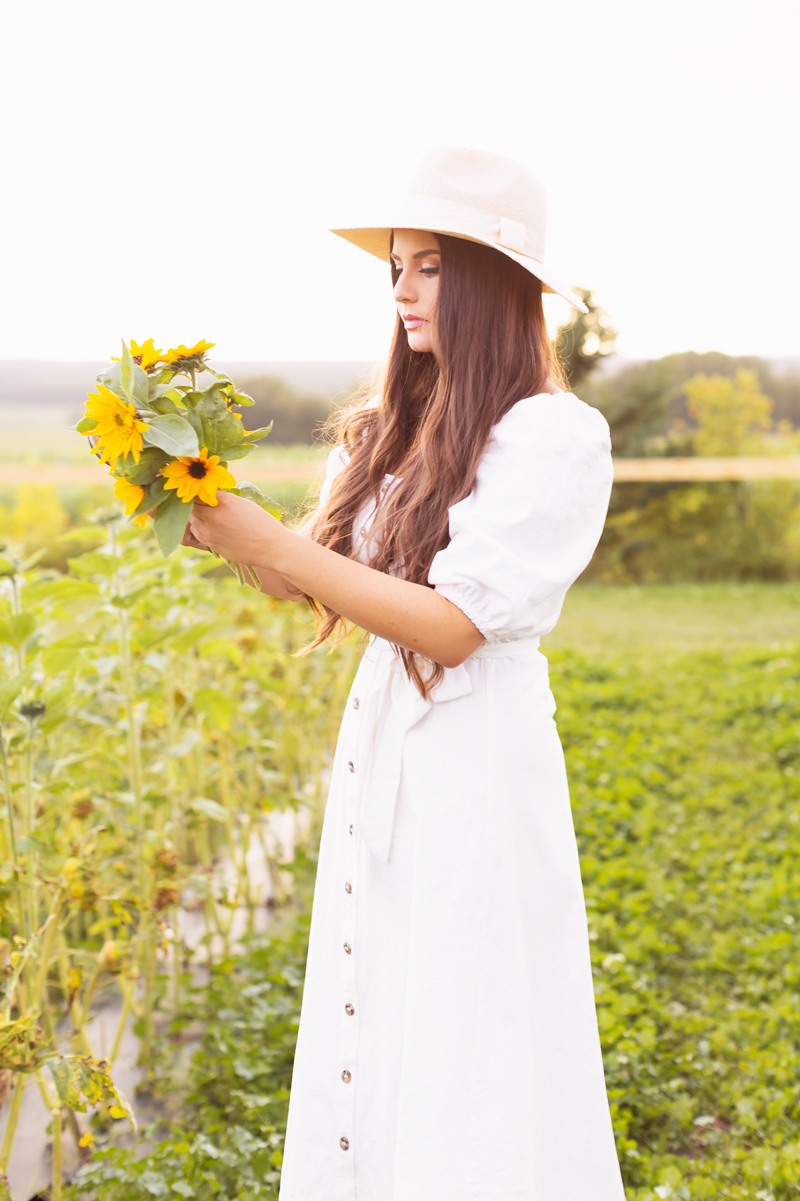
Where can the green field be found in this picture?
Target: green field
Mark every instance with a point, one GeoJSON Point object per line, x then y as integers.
{"type": "Point", "coordinates": [679, 712]}
{"type": "Point", "coordinates": [677, 617]}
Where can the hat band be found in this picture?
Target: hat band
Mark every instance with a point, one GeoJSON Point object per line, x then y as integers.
{"type": "Point", "coordinates": [432, 212]}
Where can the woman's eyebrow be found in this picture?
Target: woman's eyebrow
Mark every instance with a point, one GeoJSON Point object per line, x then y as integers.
{"type": "Point", "coordinates": [421, 254]}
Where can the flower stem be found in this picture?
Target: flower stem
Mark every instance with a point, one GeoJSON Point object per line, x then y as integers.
{"type": "Point", "coordinates": [13, 1118]}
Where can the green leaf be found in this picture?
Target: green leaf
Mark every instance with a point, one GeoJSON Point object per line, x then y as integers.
{"type": "Point", "coordinates": [241, 398]}
{"type": "Point", "coordinates": [210, 809]}
{"type": "Point", "coordinates": [183, 1188]}
{"type": "Point", "coordinates": [173, 434]}
{"type": "Point", "coordinates": [126, 372]}
{"type": "Point", "coordinates": [236, 452]}
{"type": "Point", "coordinates": [151, 460]}
{"type": "Point", "coordinates": [215, 705]}
{"type": "Point", "coordinates": [153, 497]}
{"type": "Point", "coordinates": [251, 492]}
{"type": "Point", "coordinates": [86, 426]}
{"type": "Point", "coordinates": [127, 382]}
{"type": "Point", "coordinates": [17, 629]}
{"type": "Point", "coordinates": [94, 562]}
{"type": "Point", "coordinates": [256, 435]}
{"type": "Point", "coordinates": [164, 405]}
{"type": "Point", "coordinates": [184, 641]}
{"type": "Point", "coordinates": [7, 568]}
{"type": "Point", "coordinates": [85, 533]}
{"type": "Point", "coordinates": [170, 522]}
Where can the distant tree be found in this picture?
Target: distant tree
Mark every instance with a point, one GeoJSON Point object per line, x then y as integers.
{"type": "Point", "coordinates": [644, 401]}
{"type": "Point", "coordinates": [584, 340]}
{"type": "Point", "coordinates": [296, 417]}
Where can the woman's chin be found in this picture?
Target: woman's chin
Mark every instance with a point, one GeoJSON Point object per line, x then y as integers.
{"type": "Point", "coordinates": [420, 340]}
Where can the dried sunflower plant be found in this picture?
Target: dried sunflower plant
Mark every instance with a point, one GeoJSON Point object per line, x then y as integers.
{"type": "Point", "coordinates": [168, 440]}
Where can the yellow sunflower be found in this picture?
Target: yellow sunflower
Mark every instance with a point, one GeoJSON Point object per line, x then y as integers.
{"type": "Point", "coordinates": [118, 430]}
{"type": "Point", "coordinates": [200, 477]}
{"type": "Point", "coordinates": [180, 356]}
{"type": "Point", "coordinates": [131, 495]}
{"type": "Point", "coordinates": [145, 355]}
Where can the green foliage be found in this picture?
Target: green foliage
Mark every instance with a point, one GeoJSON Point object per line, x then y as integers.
{"type": "Point", "coordinates": [686, 792]}
{"type": "Point", "coordinates": [225, 1138]}
{"type": "Point", "coordinates": [583, 342]}
{"type": "Point", "coordinates": [685, 779]}
{"type": "Point", "coordinates": [149, 719]}
{"type": "Point", "coordinates": [729, 530]}
{"type": "Point", "coordinates": [295, 417]}
{"type": "Point", "coordinates": [644, 401]}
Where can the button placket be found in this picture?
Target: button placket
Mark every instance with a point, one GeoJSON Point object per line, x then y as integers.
{"type": "Point", "coordinates": [347, 1002]}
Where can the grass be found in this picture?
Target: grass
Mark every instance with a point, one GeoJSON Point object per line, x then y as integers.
{"type": "Point", "coordinates": [677, 617]}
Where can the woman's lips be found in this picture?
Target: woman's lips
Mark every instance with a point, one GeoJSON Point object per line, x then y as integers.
{"type": "Point", "coordinates": [410, 321]}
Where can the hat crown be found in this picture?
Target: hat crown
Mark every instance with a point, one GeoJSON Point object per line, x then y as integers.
{"type": "Point", "coordinates": [486, 181]}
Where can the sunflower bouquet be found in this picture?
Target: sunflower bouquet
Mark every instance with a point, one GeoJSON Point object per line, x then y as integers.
{"type": "Point", "coordinates": [167, 439]}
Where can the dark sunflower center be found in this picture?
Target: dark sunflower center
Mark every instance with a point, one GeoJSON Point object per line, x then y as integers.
{"type": "Point", "coordinates": [198, 470]}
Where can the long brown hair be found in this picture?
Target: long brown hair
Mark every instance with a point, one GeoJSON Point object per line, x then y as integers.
{"type": "Point", "coordinates": [434, 418]}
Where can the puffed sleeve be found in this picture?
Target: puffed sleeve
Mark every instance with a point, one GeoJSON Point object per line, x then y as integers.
{"type": "Point", "coordinates": [532, 522]}
{"type": "Point", "coordinates": [337, 461]}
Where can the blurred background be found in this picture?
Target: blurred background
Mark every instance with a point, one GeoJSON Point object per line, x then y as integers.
{"type": "Point", "coordinates": [172, 172]}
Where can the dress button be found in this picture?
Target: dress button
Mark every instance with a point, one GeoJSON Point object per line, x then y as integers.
{"type": "Point", "coordinates": [351, 766]}
{"type": "Point", "coordinates": [348, 887]}
{"type": "Point", "coordinates": [349, 1009]}
{"type": "Point", "coordinates": [348, 950]}
{"type": "Point", "coordinates": [363, 531]}
{"type": "Point", "coordinates": [355, 702]}
{"type": "Point", "coordinates": [344, 1144]}
{"type": "Point", "coordinates": [351, 828]}
{"type": "Point", "coordinates": [346, 1076]}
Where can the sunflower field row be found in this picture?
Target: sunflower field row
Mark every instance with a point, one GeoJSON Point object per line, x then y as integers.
{"type": "Point", "coordinates": [151, 719]}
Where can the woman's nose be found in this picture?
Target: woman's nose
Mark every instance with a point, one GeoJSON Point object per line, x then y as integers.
{"type": "Point", "coordinates": [402, 288]}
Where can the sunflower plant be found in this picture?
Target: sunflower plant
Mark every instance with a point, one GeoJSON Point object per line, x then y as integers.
{"type": "Point", "coordinates": [166, 438]}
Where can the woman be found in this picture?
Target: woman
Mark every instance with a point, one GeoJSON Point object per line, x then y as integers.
{"type": "Point", "coordinates": [448, 1046]}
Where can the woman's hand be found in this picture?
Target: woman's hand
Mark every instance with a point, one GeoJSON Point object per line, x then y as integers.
{"type": "Point", "coordinates": [237, 529]}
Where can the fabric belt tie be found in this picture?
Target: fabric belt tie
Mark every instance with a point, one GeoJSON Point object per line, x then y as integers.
{"type": "Point", "coordinates": [393, 708]}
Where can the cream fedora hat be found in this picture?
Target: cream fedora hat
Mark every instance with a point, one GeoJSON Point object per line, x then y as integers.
{"type": "Point", "coordinates": [470, 194]}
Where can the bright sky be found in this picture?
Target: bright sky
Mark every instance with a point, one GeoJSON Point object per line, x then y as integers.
{"type": "Point", "coordinates": [170, 166]}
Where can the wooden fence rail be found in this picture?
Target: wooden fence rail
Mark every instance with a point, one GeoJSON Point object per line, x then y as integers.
{"type": "Point", "coordinates": [306, 470]}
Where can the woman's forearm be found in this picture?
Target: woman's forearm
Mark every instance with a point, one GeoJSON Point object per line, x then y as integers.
{"type": "Point", "coordinates": [273, 583]}
{"type": "Point", "coordinates": [409, 615]}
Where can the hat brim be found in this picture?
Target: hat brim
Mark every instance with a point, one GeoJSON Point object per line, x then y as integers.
{"type": "Point", "coordinates": [377, 240]}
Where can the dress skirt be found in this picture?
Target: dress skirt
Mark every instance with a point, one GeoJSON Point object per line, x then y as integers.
{"type": "Point", "coordinates": [448, 1046]}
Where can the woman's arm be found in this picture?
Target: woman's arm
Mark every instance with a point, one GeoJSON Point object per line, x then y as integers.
{"type": "Point", "coordinates": [409, 615]}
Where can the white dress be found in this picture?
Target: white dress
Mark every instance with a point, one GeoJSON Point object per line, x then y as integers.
{"type": "Point", "coordinates": [448, 1046]}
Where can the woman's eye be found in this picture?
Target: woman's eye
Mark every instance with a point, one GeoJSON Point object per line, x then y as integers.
{"type": "Point", "coordinates": [429, 270]}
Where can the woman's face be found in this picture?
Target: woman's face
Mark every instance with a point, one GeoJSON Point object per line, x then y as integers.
{"type": "Point", "coordinates": [415, 260]}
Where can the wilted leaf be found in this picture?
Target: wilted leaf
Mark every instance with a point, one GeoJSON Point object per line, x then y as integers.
{"type": "Point", "coordinates": [82, 1082]}
{"type": "Point", "coordinates": [20, 1044]}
